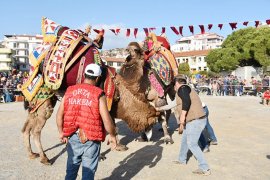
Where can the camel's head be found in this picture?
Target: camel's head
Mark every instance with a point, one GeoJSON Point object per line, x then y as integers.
{"type": "Point", "coordinates": [133, 52]}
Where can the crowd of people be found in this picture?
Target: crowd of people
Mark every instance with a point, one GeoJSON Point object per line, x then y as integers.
{"type": "Point", "coordinates": [230, 85]}
{"type": "Point", "coordinates": [10, 84]}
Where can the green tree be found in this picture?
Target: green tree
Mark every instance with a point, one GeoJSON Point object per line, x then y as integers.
{"type": "Point", "coordinates": [249, 46]}
{"type": "Point", "coordinates": [184, 68]}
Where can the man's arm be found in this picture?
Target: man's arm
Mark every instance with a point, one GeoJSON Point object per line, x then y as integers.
{"type": "Point", "coordinates": [107, 121]}
{"type": "Point", "coordinates": [60, 120]}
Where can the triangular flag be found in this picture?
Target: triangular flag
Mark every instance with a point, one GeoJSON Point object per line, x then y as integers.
{"type": "Point", "coordinates": [267, 21]}
{"type": "Point", "coordinates": [210, 26]}
{"type": "Point", "coordinates": [151, 29]}
{"type": "Point", "coordinates": [175, 30]}
{"type": "Point", "coordinates": [113, 31]}
{"type": "Point", "coordinates": [220, 26]}
{"type": "Point", "coordinates": [117, 31]}
{"type": "Point", "coordinates": [163, 30]}
{"type": "Point", "coordinates": [233, 25]}
{"type": "Point", "coordinates": [128, 33]}
{"type": "Point", "coordinates": [257, 23]}
{"type": "Point", "coordinates": [181, 30]}
{"type": "Point", "coordinates": [135, 32]}
{"type": "Point", "coordinates": [146, 31]}
{"type": "Point", "coordinates": [245, 23]}
{"type": "Point", "coordinates": [191, 29]}
{"type": "Point", "coordinates": [202, 29]}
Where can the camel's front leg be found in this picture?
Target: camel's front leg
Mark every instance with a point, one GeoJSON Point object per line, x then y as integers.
{"type": "Point", "coordinates": [26, 136]}
{"type": "Point", "coordinates": [42, 116]}
{"type": "Point", "coordinates": [164, 123]}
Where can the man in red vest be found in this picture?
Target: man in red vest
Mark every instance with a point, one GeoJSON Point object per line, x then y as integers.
{"type": "Point", "coordinates": [82, 119]}
{"type": "Point", "coordinates": [266, 97]}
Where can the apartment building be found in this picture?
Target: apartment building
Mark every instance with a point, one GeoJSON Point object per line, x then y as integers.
{"type": "Point", "coordinates": [21, 46]}
{"type": "Point", "coordinates": [6, 59]}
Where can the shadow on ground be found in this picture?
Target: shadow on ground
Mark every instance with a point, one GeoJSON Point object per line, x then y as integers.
{"type": "Point", "coordinates": [133, 164]}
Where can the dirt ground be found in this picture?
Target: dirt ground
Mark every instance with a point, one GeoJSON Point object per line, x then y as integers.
{"type": "Point", "coordinates": [241, 125]}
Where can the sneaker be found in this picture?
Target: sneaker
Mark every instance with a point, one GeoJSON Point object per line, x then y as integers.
{"type": "Point", "coordinates": [202, 172]}
{"type": "Point", "coordinates": [206, 150]}
{"type": "Point", "coordinates": [213, 143]}
{"type": "Point", "coordinates": [178, 162]}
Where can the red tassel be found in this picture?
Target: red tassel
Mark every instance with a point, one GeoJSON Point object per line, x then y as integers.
{"type": "Point", "coordinates": [181, 30]}
{"type": "Point", "coordinates": [233, 25]}
{"type": "Point", "coordinates": [220, 26]}
{"type": "Point", "coordinates": [210, 26]}
{"type": "Point", "coordinates": [202, 29]}
{"type": "Point", "coordinates": [175, 30]}
{"type": "Point", "coordinates": [245, 23]}
{"type": "Point", "coordinates": [128, 33]}
{"type": "Point", "coordinates": [163, 30]}
{"type": "Point", "coordinates": [191, 28]}
{"type": "Point", "coordinates": [135, 32]}
{"type": "Point", "coordinates": [267, 21]}
{"type": "Point", "coordinates": [257, 23]}
{"type": "Point", "coordinates": [146, 31]}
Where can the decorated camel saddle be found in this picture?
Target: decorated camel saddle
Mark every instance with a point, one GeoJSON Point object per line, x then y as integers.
{"type": "Point", "coordinates": [59, 61]}
{"type": "Point", "coordinates": [161, 61]}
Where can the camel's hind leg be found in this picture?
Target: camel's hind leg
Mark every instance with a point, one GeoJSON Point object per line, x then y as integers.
{"type": "Point", "coordinates": [26, 135]}
{"type": "Point", "coordinates": [43, 113]}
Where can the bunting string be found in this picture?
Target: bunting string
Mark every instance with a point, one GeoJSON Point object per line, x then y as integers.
{"type": "Point", "coordinates": [178, 30]}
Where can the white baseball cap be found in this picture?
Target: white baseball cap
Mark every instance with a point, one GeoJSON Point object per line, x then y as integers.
{"type": "Point", "coordinates": [92, 70]}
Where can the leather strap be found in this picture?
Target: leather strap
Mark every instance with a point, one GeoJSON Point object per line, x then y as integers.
{"type": "Point", "coordinates": [80, 71]}
{"type": "Point", "coordinates": [77, 56]}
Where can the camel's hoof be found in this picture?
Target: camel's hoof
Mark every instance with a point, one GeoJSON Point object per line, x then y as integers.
{"type": "Point", "coordinates": [33, 156]}
{"type": "Point", "coordinates": [141, 139]}
{"type": "Point", "coordinates": [45, 161]}
{"type": "Point", "coordinates": [168, 140]}
{"type": "Point", "coordinates": [121, 147]}
{"type": "Point", "coordinates": [102, 157]}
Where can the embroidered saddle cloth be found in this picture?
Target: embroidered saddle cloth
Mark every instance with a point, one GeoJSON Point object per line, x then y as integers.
{"type": "Point", "coordinates": [55, 68]}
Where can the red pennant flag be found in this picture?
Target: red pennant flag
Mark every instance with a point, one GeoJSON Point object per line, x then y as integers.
{"type": "Point", "coordinates": [202, 29]}
{"type": "Point", "coordinates": [96, 30]}
{"type": "Point", "coordinates": [210, 26]}
{"type": "Point", "coordinates": [191, 29]}
{"type": "Point", "coordinates": [117, 31]}
{"type": "Point", "coordinates": [151, 29]}
{"type": "Point", "coordinates": [128, 32]}
{"type": "Point", "coordinates": [220, 26]}
{"type": "Point", "coordinates": [233, 25]}
{"type": "Point", "coordinates": [146, 31]}
{"type": "Point", "coordinates": [135, 32]}
{"type": "Point", "coordinates": [267, 21]}
{"type": "Point", "coordinates": [175, 30]}
{"type": "Point", "coordinates": [245, 23]}
{"type": "Point", "coordinates": [113, 31]}
{"type": "Point", "coordinates": [163, 30]}
{"type": "Point", "coordinates": [181, 30]}
{"type": "Point", "coordinates": [257, 23]}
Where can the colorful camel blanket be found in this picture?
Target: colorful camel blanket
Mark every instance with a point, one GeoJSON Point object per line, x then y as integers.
{"type": "Point", "coordinates": [49, 30]}
{"type": "Point", "coordinates": [54, 71]}
{"type": "Point", "coordinates": [35, 80]}
{"type": "Point", "coordinates": [162, 67]}
{"type": "Point", "coordinates": [43, 94]}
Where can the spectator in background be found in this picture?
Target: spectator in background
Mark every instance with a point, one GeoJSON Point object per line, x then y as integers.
{"type": "Point", "coordinates": [266, 97]}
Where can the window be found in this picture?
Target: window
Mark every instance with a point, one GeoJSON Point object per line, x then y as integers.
{"type": "Point", "coordinates": [200, 59]}
{"type": "Point", "coordinates": [110, 63]}
{"type": "Point", "coordinates": [119, 64]}
{"type": "Point", "coordinates": [200, 68]}
{"type": "Point", "coordinates": [205, 68]}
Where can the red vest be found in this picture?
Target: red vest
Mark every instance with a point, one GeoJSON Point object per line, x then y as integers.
{"type": "Point", "coordinates": [81, 110]}
{"type": "Point", "coordinates": [266, 95]}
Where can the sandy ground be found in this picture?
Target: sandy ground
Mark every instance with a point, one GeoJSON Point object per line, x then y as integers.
{"type": "Point", "coordinates": [241, 125]}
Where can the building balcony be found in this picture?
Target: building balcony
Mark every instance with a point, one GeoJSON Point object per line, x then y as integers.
{"type": "Point", "coordinates": [5, 60]}
{"type": "Point", "coordinates": [5, 51]}
{"type": "Point", "coordinates": [5, 68]}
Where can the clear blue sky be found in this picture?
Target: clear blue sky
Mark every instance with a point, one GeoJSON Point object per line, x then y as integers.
{"type": "Point", "coordinates": [24, 16]}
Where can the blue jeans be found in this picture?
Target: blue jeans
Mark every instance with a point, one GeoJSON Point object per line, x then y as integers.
{"type": "Point", "coordinates": [78, 153]}
{"type": "Point", "coordinates": [209, 130]}
{"type": "Point", "coordinates": [190, 139]}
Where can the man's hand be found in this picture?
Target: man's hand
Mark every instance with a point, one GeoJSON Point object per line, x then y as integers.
{"type": "Point", "coordinates": [181, 128]}
{"type": "Point", "coordinates": [112, 140]}
{"type": "Point", "coordinates": [63, 139]}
